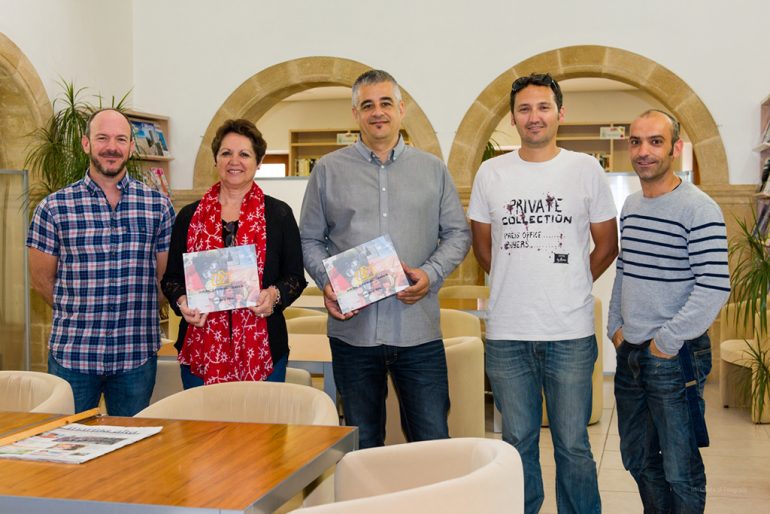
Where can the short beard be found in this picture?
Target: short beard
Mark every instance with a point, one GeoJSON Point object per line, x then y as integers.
{"type": "Point", "coordinates": [107, 173]}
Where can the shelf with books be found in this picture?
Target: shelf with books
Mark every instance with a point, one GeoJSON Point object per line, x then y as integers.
{"type": "Point", "coordinates": [604, 141]}
{"type": "Point", "coordinates": [309, 145]}
{"type": "Point", "coordinates": [762, 198]}
{"type": "Point", "coordinates": [152, 151]}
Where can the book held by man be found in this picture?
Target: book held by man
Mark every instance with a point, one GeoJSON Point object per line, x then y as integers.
{"type": "Point", "coordinates": [366, 274]}
{"type": "Point", "coordinates": [222, 279]}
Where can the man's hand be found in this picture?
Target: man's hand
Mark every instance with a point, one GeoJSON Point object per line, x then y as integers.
{"type": "Point", "coordinates": [617, 339]}
{"type": "Point", "coordinates": [419, 288]}
{"type": "Point", "coordinates": [657, 353]}
{"type": "Point", "coordinates": [332, 307]}
{"type": "Point", "coordinates": [193, 317]}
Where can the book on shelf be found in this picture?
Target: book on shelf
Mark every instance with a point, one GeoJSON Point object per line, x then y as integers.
{"type": "Point", "coordinates": [149, 139]}
{"type": "Point", "coordinates": [156, 179]}
{"type": "Point", "coordinates": [304, 166]}
{"type": "Point", "coordinates": [766, 133]}
{"type": "Point", "coordinates": [763, 221]}
{"type": "Point", "coordinates": [75, 443]}
{"type": "Point", "coordinates": [222, 279]}
{"type": "Point", "coordinates": [603, 158]}
{"type": "Point", "coordinates": [366, 274]}
{"type": "Point", "coordinates": [764, 186]}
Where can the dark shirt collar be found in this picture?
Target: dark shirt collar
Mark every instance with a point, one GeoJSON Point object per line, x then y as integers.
{"type": "Point", "coordinates": [368, 154]}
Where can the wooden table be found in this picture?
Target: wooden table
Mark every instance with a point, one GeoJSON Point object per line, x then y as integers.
{"type": "Point", "coordinates": [190, 467]}
{"type": "Point", "coordinates": [312, 352]}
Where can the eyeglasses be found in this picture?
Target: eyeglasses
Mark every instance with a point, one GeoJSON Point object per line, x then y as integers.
{"type": "Point", "coordinates": [538, 79]}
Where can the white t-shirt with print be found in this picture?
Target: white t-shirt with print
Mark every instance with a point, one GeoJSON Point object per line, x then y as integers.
{"type": "Point", "coordinates": [540, 212]}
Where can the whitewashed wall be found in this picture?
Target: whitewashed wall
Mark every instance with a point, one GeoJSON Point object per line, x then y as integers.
{"type": "Point", "coordinates": [184, 57]}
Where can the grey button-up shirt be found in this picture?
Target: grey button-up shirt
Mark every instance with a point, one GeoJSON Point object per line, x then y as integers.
{"type": "Point", "coordinates": [352, 198]}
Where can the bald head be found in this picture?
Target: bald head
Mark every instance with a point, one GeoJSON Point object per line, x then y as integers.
{"type": "Point", "coordinates": [111, 114]}
{"type": "Point", "coordinates": [670, 121]}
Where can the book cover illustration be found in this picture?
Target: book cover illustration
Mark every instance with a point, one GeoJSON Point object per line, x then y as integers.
{"type": "Point", "coordinates": [149, 139]}
{"type": "Point", "coordinates": [223, 279]}
{"type": "Point", "coordinates": [156, 179]}
{"type": "Point", "coordinates": [366, 274]}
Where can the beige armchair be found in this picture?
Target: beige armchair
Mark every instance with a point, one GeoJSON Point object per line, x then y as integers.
{"type": "Point", "coordinates": [254, 402]}
{"type": "Point", "coordinates": [465, 373]}
{"type": "Point", "coordinates": [456, 323]}
{"type": "Point", "coordinates": [30, 391]}
{"type": "Point", "coordinates": [736, 366]}
{"type": "Point", "coordinates": [482, 476]}
{"type": "Point", "coordinates": [308, 324]}
{"type": "Point", "coordinates": [298, 312]}
{"type": "Point", "coordinates": [465, 297]}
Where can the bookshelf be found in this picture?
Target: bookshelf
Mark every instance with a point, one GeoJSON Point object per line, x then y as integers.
{"type": "Point", "coordinates": [763, 194]}
{"type": "Point", "coordinates": [151, 132]}
{"type": "Point", "coordinates": [307, 146]}
{"type": "Point", "coordinates": [605, 141]}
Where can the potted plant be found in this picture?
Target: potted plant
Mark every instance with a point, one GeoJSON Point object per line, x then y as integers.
{"type": "Point", "coordinates": [55, 154]}
{"type": "Point", "coordinates": [750, 283]}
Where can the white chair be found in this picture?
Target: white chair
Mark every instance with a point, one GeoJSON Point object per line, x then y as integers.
{"type": "Point", "coordinates": [254, 402]}
{"type": "Point", "coordinates": [299, 377]}
{"type": "Point", "coordinates": [482, 476]}
{"type": "Point", "coordinates": [456, 323]}
{"type": "Point", "coordinates": [308, 324]}
{"type": "Point", "coordinates": [464, 297]}
{"type": "Point", "coordinates": [298, 312]}
{"type": "Point", "coordinates": [737, 366]}
{"type": "Point", "coordinates": [465, 374]}
{"type": "Point", "coordinates": [31, 391]}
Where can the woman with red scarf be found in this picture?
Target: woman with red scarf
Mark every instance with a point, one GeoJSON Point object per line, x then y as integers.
{"type": "Point", "coordinates": [242, 344]}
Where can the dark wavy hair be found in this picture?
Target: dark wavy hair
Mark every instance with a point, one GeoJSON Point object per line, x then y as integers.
{"type": "Point", "coordinates": [244, 128]}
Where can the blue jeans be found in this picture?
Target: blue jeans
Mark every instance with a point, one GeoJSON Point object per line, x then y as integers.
{"type": "Point", "coordinates": [519, 372]}
{"type": "Point", "coordinates": [419, 375]}
{"type": "Point", "coordinates": [656, 439]}
{"type": "Point", "coordinates": [124, 393]}
{"type": "Point", "coordinates": [278, 375]}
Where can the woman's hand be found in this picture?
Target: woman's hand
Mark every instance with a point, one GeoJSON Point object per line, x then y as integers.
{"type": "Point", "coordinates": [266, 301]}
{"type": "Point", "coordinates": [192, 316]}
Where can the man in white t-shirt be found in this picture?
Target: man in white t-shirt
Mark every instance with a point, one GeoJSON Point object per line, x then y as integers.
{"type": "Point", "coordinates": [533, 214]}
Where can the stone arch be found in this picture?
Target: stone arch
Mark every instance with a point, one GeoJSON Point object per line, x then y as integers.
{"type": "Point", "coordinates": [591, 61]}
{"type": "Point", "coordinates": [24, 104]}
{"type": "Point", "coordinates": [263, 90]}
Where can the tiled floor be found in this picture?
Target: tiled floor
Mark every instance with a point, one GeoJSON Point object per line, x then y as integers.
{"type": "Point", "coordinates": [737, 462]}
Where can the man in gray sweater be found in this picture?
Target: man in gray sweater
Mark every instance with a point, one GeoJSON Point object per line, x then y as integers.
{"type": "Point", "coordinates": [672, 279]}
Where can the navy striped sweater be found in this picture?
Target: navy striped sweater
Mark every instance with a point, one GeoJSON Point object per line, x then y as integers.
{"type": "Point", "coordinates": [672, 276]}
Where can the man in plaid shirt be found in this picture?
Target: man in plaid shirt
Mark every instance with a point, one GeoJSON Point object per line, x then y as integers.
{"type": "Point", "coordinates": [97, 249]}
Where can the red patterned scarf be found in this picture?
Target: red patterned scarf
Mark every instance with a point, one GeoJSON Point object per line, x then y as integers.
{"type": "Point", "coordinates": [232, 345]}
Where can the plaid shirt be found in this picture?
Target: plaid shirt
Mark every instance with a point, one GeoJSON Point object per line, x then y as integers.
{"type": "Point", "coordinates": [105, 315]}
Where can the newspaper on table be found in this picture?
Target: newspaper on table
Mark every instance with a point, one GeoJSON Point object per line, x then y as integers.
{"type": "Point", "coordinates": [75, 443]}
{"type": "Point", "coordinates": [223, 279]}
{"type": "Point", "coordinates": [366, 274]}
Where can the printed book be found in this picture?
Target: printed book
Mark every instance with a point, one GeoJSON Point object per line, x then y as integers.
{"type": "Point", "coordinates": [223, 279]}
{"type": "Point", "coordinates": [156, 179]}
{"type": "Point", "coordinates": [366, 274]}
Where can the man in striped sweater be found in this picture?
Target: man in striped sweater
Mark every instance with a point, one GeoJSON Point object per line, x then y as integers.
{"type": "Point", "coordinates": [672, 279]}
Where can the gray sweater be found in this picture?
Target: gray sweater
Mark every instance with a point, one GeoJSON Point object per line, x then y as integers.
{"type": "Point", "coordinates": [672, 275]}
